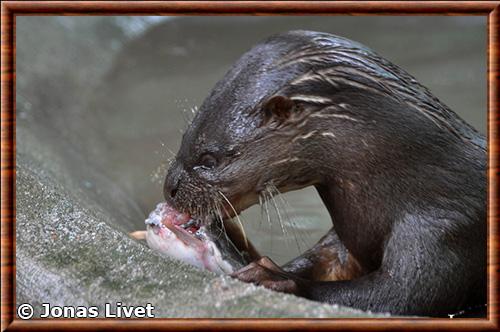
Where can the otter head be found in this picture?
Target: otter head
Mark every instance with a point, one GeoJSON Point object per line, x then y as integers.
{"type": "Point", "coordinates": [243, 140]}
{"type": "Point", "coordinates": [230, 156]}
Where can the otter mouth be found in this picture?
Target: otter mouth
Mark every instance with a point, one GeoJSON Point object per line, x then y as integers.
{"type": "Point", "coordinates": [185, 228]}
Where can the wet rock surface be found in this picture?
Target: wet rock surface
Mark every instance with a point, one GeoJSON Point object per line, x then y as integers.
{"type": "Point", "coordinates": [96, 99]}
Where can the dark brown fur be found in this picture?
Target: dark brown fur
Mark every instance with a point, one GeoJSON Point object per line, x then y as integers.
{"type": "Point", "coordinates": [402, 176]}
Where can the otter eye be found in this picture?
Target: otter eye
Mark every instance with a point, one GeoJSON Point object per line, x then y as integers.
{"type": "Point", "coordinates": [207, 161]}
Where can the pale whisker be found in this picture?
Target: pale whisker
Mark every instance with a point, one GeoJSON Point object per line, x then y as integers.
{"type": "Point", "coordinates": [237, 217]}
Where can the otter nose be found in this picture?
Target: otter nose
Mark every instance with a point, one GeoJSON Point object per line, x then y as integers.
{"type": "Point", "coordinates": [171, 185]}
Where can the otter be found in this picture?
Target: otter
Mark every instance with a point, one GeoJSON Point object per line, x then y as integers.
{"type": "Point", "coordinates": [401, 175]}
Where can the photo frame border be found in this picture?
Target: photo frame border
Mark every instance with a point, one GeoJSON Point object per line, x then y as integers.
{"type": "Point", "coordinates": [11, 9]}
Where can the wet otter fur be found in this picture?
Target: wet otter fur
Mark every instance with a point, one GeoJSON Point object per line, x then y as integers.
{"type": "Point", "coordinates": [402, 176]}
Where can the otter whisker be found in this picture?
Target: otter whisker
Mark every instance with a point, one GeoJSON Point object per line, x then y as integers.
{"type": "Point", "coordinates": [225, 232]}
{"type": "Point", "coordinates": [280, 220]}
{"type": "Point", "coordinates": [170, 160]}
{"type": "Point", "coordinates": [266, 202]}
{"type": "Point", "coordinates": [237, 217]}
{"type": "Point", "coordinates": [287, 209]}
{"type": "Point", "coordinates": [201, 213]}
{"type": "Point", "coordinates": [188, 115]}
{"type": "Point", "coordinates": [261, 205]}
{"type": "Point", "coordinates": [291, 222]}
{"type": "Point", "coordinates": [157, 175]}
{"type": "Point", "coordinates": [220, 217]}
{"type": "Point", "coordinates": [173, 154]}
{"type": "Point", "coordinates": [273, 190]}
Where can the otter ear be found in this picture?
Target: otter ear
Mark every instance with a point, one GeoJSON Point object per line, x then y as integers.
{"type": "Point", "coordinates": [278, 109]}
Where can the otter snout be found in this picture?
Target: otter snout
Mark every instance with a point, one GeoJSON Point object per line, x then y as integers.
{"type": "Point", "coordinates": [172, 181]}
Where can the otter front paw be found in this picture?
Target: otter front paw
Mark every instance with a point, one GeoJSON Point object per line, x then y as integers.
{"type": "Point", "coordinates": [265, 272]}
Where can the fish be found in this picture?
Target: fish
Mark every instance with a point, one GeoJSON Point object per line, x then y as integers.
{"type": "Point", "coordinates": [202, 244]}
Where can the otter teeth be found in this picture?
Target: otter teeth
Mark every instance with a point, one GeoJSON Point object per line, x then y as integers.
{"type": "Point", "coordinates": [190, 223]}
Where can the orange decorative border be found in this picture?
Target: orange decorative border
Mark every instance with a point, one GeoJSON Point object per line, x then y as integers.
{"type": "Point", "coordinates": [10, 9]}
